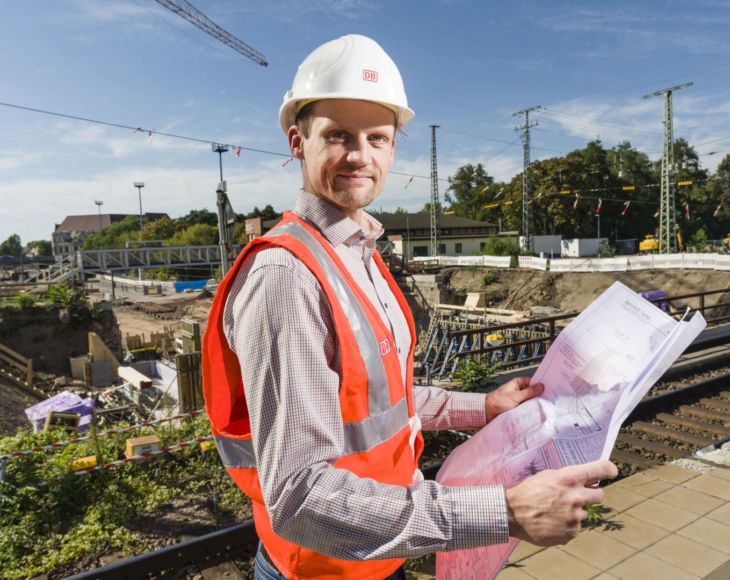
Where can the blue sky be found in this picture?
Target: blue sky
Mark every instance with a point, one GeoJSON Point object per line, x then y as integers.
{"type": "Point", "coordinates": [467, 66]}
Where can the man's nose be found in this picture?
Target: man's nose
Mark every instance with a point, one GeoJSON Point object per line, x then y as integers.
{"type": "Point", "coordinates": [359, 152]}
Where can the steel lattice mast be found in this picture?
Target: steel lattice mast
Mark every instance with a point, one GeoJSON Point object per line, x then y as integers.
{"type": "Point", "coordinates": [190, 13]}
{"type": "Point", "coordinates": [667, 209]}
{"type": "Point", "coordinates": [525, 128]}
{"type": "Point", "coordinates": [435, 204]}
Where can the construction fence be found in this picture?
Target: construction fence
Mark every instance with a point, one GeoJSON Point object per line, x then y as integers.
{"type": "Point", "coordinates": [615, 264]}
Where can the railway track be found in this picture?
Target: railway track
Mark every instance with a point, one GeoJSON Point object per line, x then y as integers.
{"type": "Point", "coordinates": [682, 416]}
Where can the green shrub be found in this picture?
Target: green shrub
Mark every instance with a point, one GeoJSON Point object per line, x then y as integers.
{"type": "Point", "coordinates": [52, 518]}
{"type": "Point", "coordinates": [500, 247]}
{"type": "Point", "coordinates": [24, 300]}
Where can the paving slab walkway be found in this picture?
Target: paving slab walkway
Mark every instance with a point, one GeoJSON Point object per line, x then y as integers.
{"type": "Point", "coordinates": [669, 522]}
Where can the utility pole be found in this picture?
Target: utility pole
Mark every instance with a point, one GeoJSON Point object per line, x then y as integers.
{"type": "Point", "coordinates": [139, 185]}
{"type": "Point", "coordinates": [435, 204]}
{"type": "Point", "coordinates": [525, 128]}
{"type": "Point", "coordinates": [667, 210]}
{"type": "Point", "coordinates": [99, 203]}
{"type": "Point", "coordinates": [222, 204]}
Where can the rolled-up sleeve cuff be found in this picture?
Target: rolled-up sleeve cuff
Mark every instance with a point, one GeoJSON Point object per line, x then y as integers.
{"type": "Point", "coordinates": [468, 410]}
{"type": "Point", "coordinates": [479, 516]}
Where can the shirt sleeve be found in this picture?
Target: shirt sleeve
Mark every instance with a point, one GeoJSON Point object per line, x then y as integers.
{"type": "Point", "coordinates": [281, 329]}
{"type": "Point", "coordinates": [441, 409]}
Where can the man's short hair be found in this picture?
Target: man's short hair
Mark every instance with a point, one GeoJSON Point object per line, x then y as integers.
{"type": "Point", "coordinates": [303, 120]}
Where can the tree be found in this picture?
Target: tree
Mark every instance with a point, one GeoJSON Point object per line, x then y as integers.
{"type": "Point", "coordinates": [11, 246]}
{"type": "Point", "coordinates": [198, 216]}
{"type": "Point", "coordinates": [44, 247]}
{"type": "Point", "coordinates": [471, 188]}
{"type": "Point", "coordinates": [195, 235]}
{"type": "Point", "coordinates": [268, 213]}
{"type": "Point", "coordinates": [161, 229]}
{"type": "Point", "coordinates": [114, 236]}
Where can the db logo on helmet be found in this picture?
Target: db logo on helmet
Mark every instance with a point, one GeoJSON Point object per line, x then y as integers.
{"type": "Point", "coordinates": [370, 75]}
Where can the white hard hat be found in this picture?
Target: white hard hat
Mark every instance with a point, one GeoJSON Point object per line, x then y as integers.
{"type": "Point", "coordinates": [349, 67]}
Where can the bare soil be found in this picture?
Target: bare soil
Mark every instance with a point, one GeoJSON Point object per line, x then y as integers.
{"type": "Point", "coordinates": [520, 289]}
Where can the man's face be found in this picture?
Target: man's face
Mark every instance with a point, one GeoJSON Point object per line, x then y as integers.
{"type": "Point", "coordinates": [348, 152]}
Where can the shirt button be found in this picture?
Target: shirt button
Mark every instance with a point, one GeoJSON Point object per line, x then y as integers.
{"type": "Point", "coordinates": [385, 304]}
{"type": "Point", "coordinates": [398, 351]}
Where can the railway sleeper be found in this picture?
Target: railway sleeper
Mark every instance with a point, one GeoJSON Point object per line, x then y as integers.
{"type": "Point", "coordinates": [717, 404]}
{"type": "Point", "coordinates": [617, 455]}
{"type": "Point", "coordinates": [705, 413]}
{"type": "Point", "coordinates": [658, 448]}
{"type": "Point", "coordinates": [724, 395]}
{"type": "Point", "coordinates": [674, 434]}
{"type": "Point", "coordinates": [694, 425]}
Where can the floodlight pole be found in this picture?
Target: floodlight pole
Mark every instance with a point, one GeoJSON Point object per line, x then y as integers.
{"type": "Point", "coordinates": [99, 203]}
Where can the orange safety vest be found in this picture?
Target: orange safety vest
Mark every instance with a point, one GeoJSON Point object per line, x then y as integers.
{"type": "Point", "coordinates": [376, 406]}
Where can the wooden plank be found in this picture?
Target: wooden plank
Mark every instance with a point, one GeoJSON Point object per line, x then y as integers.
{"type": "Point", "coordinates": [653, 446]}
{"type": "Point", "coordinates": [631, 459]}
{"type": "Point", "coordinates": [10, 361]}
{"type": "Point", "coordinates": [705, 413]}
{"type": "Point", "coordinates": [669, 433]}
{"type": "Point", "coordinates": [716, 430]}
{"type": "Point", "coordinates": [16, 355]}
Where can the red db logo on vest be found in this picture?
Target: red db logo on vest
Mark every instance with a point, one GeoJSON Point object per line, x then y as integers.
{"type": "Point", "coordinates": [384, 346]}
{"type": "Point", "coordinates": [370, 75]}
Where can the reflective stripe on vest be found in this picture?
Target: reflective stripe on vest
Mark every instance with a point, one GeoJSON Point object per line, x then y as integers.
{"type": "Point", "coordinates": [359, 437]}
{"type": "Point", "coordinates": [378, 395]}
{"type": "Point", "coordinates": [384, 421]}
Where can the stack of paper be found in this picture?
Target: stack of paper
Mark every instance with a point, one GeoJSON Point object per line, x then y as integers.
{"type": "Point", "coordinates": [595, 373]}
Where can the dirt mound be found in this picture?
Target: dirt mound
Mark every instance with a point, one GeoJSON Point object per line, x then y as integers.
{"type": "Point", "coordinates": [521, 289]}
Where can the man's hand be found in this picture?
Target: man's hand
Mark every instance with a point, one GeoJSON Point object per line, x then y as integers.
{"type": "Point", "coordinates": [547, 509]}
{"type": "Point", "coordinates": [509, 395]}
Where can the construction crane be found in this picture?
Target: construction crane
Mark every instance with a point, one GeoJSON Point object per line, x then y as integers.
{"type": "Point", "coordinates": [190, 13]}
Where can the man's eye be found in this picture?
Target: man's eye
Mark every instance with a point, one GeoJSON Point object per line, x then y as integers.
{"type": "Point", "coordinates": [378, 138]}
{"type": "Point", "coordinates": [338, 136]}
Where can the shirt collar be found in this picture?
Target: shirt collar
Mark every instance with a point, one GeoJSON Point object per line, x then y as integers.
{"type": "Point", "coordinates": [334, 225]}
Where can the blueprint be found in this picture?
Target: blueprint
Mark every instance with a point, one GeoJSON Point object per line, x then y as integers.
{"type": "Point", "coordinates": [596, 371]}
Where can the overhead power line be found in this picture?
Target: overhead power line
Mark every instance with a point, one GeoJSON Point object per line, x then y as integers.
{"type": "Point", "coordinates": [186, 10]}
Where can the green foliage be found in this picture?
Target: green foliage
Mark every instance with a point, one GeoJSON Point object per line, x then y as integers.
{"type": "Point", "coordinates": [500, 247]}
{"type": "Point", "coordinates": [195, 235]}
{"type": "Point", "coordinates": [471, 187]}
{"type": "Point", "coordinates": [44, 247]}
{"type": "Point", "coordinates": [606, 250]}
{"type": "Point", "coordinates": [197, 216]}
{"type": "Point", "coordinates": [161, 229]}
{"type": "Point", "coordinates": [24, 300]}
{"type": "Point", "coordinates": [73, 300]}
{"type": "Point", "coordinates": [699, 241]}
{"type": "Point", "coordinates": [11, 246]}
{"type": "Point", "coordinates": [114, 236]}
{"type": "Point", "coordinates": [489, 278]}
{"type": "Point", "coordinates": [51, 518]}
{"type": "Point", "coordinates": [474, 374]}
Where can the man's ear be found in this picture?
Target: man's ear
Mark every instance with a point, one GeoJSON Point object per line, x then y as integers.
{"type": "Point", "coordinates": [296, 142]}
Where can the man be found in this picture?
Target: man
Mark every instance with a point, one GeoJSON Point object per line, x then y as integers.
{"type": "Point", "coordinates": [308, 364]}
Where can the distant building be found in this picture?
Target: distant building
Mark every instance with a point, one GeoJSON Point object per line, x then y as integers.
{"type": "Point", "coordinates": [410, 234]}
{"type": "Point", "coordinates": [68, 236]}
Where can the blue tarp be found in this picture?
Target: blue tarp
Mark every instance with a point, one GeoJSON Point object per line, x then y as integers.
{"type": "Point", "coordinates": [193, 285]}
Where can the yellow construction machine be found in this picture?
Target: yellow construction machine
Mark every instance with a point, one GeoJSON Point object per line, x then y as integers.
{"type": "Point", "coordinates": [649, 244]}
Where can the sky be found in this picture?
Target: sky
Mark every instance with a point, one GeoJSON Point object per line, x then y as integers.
{"type": "Point", "coordinates": [467, 67]}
